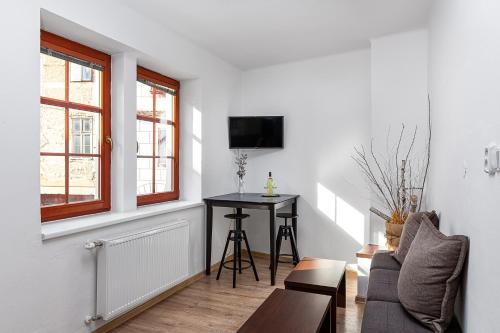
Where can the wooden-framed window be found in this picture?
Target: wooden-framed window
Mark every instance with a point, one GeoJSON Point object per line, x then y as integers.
{"type": "Point", "coordinates": [157, 137]}
{"type": "Point", "coordinates": [75, 129]}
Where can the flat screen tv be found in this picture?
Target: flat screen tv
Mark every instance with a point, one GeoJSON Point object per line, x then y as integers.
{"type": "Point", "coordinates": [255, 132]}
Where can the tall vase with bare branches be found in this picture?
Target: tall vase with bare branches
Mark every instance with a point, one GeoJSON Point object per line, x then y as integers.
{"type": "Point", "coordinates": [241, 162]}
{"type": "Point", "coordinates": [398, 181]}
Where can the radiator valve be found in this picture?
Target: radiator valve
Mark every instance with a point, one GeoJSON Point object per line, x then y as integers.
{"type": "Point", "coordinates": [92, 245]}
{"type": "Point", "coordinates": [89, 319]}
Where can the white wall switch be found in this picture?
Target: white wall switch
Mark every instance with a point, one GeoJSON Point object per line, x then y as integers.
{"type": "Point", "coordinates": [492, 159]}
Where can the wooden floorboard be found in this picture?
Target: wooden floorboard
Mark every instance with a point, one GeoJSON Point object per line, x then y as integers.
{"type": "Point", "coordinates": [215, 307]}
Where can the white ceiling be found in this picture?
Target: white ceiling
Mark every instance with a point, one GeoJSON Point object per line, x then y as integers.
{"type": "Point", "coordinates": [258, 33]}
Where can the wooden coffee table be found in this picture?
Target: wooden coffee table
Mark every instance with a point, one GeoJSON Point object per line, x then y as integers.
{"type": "Point", "coordinates": [286, 311]}
{"type": "Point", "coordinates": [321, 276]}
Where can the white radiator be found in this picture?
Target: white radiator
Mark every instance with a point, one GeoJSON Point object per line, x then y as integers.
{"type": "Point", "coordinates": [137, 267]}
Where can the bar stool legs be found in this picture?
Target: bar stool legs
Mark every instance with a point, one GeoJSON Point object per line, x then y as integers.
{"type": "Point", "coordinates": [237, 236]}
{"type": "Point", "coordinates": [278, 247]}
{"type": "Point", "coordinates": [286, 231]}
{"type": "Point", "coordinates": [224, 254]}
{"type": "Point", "coordinates": [295, 251]}
{"type": "Point", "coordinates": [239, 230]}
{"type": "Point", "coordinates": [250, 256]}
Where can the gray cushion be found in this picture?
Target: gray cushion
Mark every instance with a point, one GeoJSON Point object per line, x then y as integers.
{"type": "Point", "coordinates": [389, 317]}
{"type": "Point", "coordinates": [384, 260]}
{"type": "Point", "coordinates": [410, 229]}
{"type": "Point", "coordinates": [383, 285]}
{"type": "Point", "coordinates": [454, 327]}
{"type": "Point", "coordinates": [429, 277]}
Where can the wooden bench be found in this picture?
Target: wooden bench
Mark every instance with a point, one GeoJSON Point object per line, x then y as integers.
{"type": "Point", "coordinates": [286, 311]}
{"type": "Point", "coordinates": [321, 276]}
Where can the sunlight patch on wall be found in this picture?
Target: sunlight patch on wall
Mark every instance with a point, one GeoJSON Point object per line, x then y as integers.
{"type": "Point", "coordinates": [326, 201]}
{"type": "Point", "coordinates": [196, 123]}
{"type": "Point", "coordinates": [197, 156]}
{"type": "Point", "coordinates": [197, 140]}
{"type": "Point", "coordinates": [351, 220]}
{"type": "Point", "coordinates": [342, 213]}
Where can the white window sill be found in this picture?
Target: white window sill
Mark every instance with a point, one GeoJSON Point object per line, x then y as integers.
{"type": "Point", "coordinates": [75, 225]}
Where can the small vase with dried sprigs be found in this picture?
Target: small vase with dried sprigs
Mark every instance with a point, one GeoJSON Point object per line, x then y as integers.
{"type": "Point", "coordinates": [241, 162]}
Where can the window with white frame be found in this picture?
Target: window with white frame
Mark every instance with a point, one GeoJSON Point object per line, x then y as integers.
{"type": "Point", "coordinates": [81, 132]}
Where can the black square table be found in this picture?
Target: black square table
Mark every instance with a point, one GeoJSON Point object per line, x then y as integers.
{"type": "Point", "coordinates": [250, 201]}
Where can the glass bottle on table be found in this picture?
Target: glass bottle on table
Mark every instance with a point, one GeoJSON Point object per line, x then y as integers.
{"type": "Point", "coordinates": [269, 185]}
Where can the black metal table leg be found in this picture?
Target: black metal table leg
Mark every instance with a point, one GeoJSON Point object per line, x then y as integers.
{"type": "Point", "coordinates": [208, 240]}
{"type": "Point", "coordinates": [294, 220]}
{"type": "Point", "coordinates": [272, 240]}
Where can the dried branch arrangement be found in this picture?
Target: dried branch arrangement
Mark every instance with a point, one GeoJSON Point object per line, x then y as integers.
{"type": "Point", "coordinates": [398, 180]}
{"type": "Point", "coordinates": [241, 162]}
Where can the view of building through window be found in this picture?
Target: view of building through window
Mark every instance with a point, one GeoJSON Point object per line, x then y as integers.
{"type": "Point", "coordinates": [75, 142]}
{"type": "Point", "coordinates": [154, 133]}
{"type": "Point", "coordinates": [157, 137]}
{"type": "Point", "coordinates": [69, 137]}
{"type": "Point", "coordinates": [81, 128]}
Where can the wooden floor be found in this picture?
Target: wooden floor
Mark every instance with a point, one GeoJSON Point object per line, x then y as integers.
{"type": "Point", "coordinates": [214, 306]}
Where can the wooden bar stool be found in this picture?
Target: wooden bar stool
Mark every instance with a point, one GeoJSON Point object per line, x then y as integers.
{"type": "Point", "coordinates": [286, 231]}
{"type": "Point", "coordinates": [236, 236]}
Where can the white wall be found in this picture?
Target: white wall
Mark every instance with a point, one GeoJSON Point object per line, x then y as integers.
{"type": "Point", "coordinates": [464, 86]}
{"type": "Point", "coordinates": [326, 104]}
{"type": "Point", "coordinates": [49, 286]}
{"type": "Point", "coordinates": [399, 95]}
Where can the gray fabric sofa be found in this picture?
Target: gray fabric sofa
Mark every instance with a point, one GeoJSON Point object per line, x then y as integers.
{"type": "Point", "coordinates": [383, 311]}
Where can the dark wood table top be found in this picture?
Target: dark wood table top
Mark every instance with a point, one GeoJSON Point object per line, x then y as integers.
{"type": "Point", "coordinates": [369, 250]}
{"type": "Point", "coordinates": [323, 275]}
{"type": "Point", "coordinates": [286, 311]}
{"type": "Point", "coordinates": [255, 198]}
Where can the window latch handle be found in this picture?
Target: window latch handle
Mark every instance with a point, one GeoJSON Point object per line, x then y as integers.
{"type": "Point", "coordinates": [109, 141]}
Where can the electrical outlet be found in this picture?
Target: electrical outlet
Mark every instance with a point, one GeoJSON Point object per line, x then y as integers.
{"type": "Point", "coordinates": [492, 159]}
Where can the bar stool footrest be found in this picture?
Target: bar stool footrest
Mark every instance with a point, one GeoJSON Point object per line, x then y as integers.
{"type": "Point", "coordinates": [232, 260]}
{"type": "Point", "coordinates": [286, 261]}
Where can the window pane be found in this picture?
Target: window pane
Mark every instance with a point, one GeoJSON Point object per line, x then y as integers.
{"type": "Point", "coordinates": [144, 176]}
{"type": "Point", "coordinates": [52, 180]}
{"type": "Point", "coordinates": [52, 126]}
{"type": "Point", "coordinates": [85, 92]}
{"type": "Point", "coordinates": [163, 175]}
{"type": "Point", "coordinates": [83, 179]}
{"type": "Point", "coordinates": [76, 124]}
{"type": "Point", "coordinates": [144, 100]}
{"type": "Point", "coordinates": [75, 72]}
{"type": "Point", "coordinates": [164, 106]}
{"type": "Point", "coordinates": [52, 77]}
{"type": "Point", "coordinates": [145, 138]}
{"type": "Point", "coordinates": [86, 74]}
{"type": "Point", "coordinates": [76, 144]}
{"type": "Point", "coordinates": [164, 137]}
{"type": "Point", "coordinates": [88, 123]}
{"type": "Point", "coordinates": [87, 144]}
